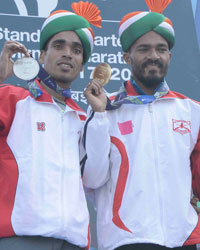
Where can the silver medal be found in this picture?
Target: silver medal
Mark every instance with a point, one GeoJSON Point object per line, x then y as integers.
{"type": "Point", "coordinates": [26, 68]}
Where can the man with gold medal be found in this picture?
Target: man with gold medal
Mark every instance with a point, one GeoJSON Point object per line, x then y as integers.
{"type": "Point", "coordinates": [42, 200]}
{"type": "Point", "coordinates": [143, 146]}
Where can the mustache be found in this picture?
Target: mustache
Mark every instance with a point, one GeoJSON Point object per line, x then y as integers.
{"type": "Point", "coordinates": [152, 62]}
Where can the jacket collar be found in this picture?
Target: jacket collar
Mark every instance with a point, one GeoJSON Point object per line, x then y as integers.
{"type": "Point", "coordinates": [38, 92]}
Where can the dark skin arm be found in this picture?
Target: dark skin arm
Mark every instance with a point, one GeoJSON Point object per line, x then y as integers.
{"type": "Point", "coordinates": [196, 204]}
{"type": "Point", "coordinates": [95, 95]}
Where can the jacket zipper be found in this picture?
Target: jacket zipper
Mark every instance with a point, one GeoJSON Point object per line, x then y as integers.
{"type": "Point", "coordinates": [63, 168]}
{"type": "Point", "coordinates": [156, 155]}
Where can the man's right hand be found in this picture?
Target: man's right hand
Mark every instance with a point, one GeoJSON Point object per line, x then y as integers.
{"type": "Point", "coordinates": [6, 63]}
{"type": "Point", "coordinates": [95, 95]}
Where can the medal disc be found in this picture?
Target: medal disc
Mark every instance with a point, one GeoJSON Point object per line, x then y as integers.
{"type": "Point", "coordinates": [102, 73]}
{"type": "Point", "coordinates": [26, 68]}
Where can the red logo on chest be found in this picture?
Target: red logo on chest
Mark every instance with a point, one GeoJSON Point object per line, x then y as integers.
{"type": "Point", "coordinates": [41, 126]}
{"type": "Point", "coordinates": [181, 126]}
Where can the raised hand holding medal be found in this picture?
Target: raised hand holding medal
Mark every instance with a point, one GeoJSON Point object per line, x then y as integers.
{"type": "Point", "coordinates": [94, 92]}
{"type": "Point", "coordinates": [6, 62]}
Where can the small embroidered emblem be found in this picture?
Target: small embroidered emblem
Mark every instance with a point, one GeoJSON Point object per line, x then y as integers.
{"type": "Point", "coordinates": [181, 126]}
{"type": "Point", "coordinates": [41, 126]}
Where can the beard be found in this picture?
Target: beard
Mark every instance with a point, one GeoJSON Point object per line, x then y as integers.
{"type": "Point", "coordinates": [152, 80]}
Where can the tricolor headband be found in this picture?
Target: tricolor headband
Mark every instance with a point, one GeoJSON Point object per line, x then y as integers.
{"type": "Point", "coordinates": [85, 13]}
{"type": "Point", "coordinates": [136, 24]}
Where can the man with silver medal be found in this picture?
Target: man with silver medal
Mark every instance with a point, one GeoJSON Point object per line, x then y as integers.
{"type": "Point", "coordinates": [42, 200]}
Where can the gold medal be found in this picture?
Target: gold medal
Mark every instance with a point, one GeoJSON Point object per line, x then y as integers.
{"type": "Point", "coordinates": [102, 73]}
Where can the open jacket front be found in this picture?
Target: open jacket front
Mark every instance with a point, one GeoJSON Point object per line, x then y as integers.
{"type": "Point", "coordinates": [142, 161]}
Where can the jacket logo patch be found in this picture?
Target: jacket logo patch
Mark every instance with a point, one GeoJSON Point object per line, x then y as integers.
{"type": "Point", "coordinates": [125, 127]}
{"type": "Point", "coordinates": [181, 126]}
{"type": "Point", "coordinates": [41, 126]}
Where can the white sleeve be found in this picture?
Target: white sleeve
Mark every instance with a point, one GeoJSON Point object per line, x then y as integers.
{"type": "Point", "coordinates": [96, 140]}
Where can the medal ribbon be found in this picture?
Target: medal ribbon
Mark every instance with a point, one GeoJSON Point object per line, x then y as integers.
{"type": "Point", "coordinates": [123, 98]}
{"type": "Point", "coordinates": [46, 79]}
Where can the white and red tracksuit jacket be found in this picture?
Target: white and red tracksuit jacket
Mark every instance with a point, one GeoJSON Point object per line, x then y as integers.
{"type": "Point", "coordinates": [144, 162]}
{"type": "Point", "coordinates": [41, 191]}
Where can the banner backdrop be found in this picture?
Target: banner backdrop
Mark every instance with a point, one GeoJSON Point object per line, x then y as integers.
{"type": "Point", "coordinates": [21, 20]}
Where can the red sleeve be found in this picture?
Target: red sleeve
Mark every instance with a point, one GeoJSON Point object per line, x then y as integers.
{"type": "Point", "coordinates": [195, 166]}
{"type": "Point", "coordinates": [9, 96]}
